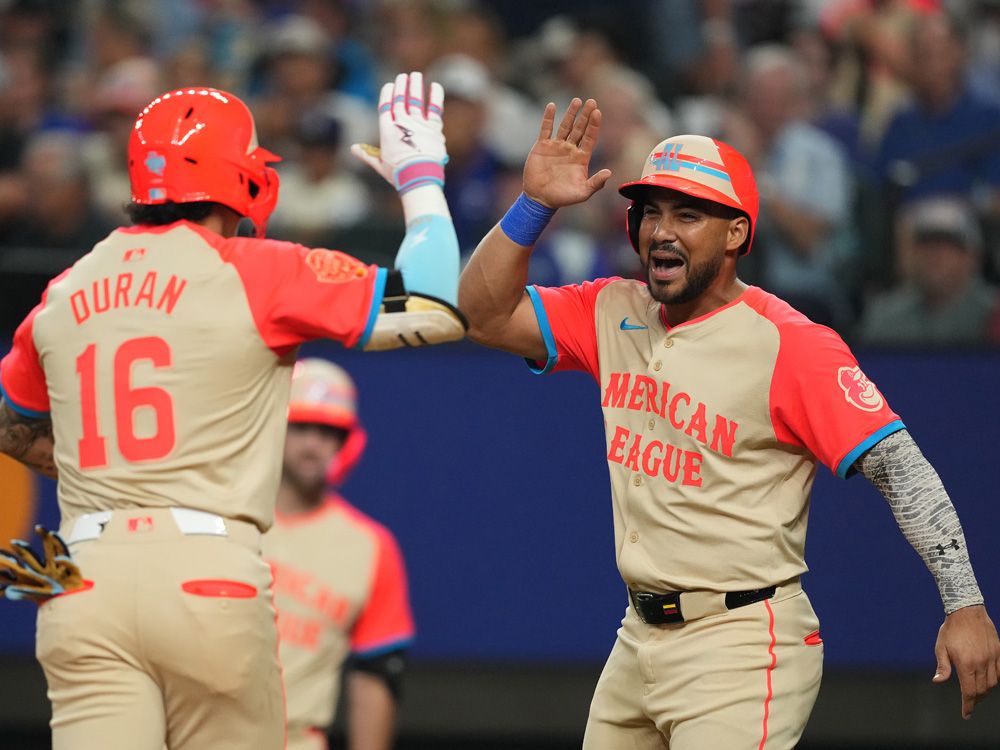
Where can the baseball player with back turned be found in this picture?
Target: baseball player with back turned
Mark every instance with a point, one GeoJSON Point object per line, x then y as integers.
{"type": "Point", "coordinates": [339, 579]}
{"type": "Point", "coordinates": [153, 382]}
{"type": "Point", "coordinates": [719, 399]}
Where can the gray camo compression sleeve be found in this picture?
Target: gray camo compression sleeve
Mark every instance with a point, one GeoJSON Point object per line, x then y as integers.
{"type": "Point", "coordinates": [925, 515]}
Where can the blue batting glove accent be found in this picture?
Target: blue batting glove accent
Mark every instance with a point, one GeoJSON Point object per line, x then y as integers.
{"type": "Point", "coordinates": [428, 257]}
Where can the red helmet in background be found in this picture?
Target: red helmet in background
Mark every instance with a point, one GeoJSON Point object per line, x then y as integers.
{"type": "Point", "coordinates": [699, 166]}
{"type": "Point", "coordinates": [200, 144]}
{"type": "Point", "coordinates": [323, 393]}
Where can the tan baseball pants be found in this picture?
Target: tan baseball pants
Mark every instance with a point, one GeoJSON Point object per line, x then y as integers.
{"type": "Point", "coordinates": [175, 642]}
{"type": "Point", "coordinates": [746, 679]}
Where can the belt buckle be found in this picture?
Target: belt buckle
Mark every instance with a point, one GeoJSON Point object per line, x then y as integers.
{"type": "Point", "coordinates": [658, 609]}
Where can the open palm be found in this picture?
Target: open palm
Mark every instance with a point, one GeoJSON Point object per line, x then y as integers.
{"type": "Point", "coordinates": [555, 172]}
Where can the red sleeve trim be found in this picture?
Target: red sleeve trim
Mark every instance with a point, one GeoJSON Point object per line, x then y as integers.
{"type": "Point", "coordinates": [299, 294]}
{"type": "Point", "coordinates": [22, 379]}
{"type": "Point", "coordinates": [386, 621]}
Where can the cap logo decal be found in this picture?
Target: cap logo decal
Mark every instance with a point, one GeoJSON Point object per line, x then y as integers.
{"type": "Point", "coordinates": [155, 163]}
{"type": "Point", "coordinates": [671, 160]}
{"type": "Point", "coordinates": [699, 163]}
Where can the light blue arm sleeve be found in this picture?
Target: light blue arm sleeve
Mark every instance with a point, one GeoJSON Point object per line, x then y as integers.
{"type": "Point", "coordinates": [428, 257]}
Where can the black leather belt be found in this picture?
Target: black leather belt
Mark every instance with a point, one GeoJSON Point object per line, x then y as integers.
{"type": "Point", "coordinates": [663, 609]}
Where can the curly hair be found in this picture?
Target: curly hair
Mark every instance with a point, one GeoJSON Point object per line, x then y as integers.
{"type": "Point", "coordinates": [169, 212]}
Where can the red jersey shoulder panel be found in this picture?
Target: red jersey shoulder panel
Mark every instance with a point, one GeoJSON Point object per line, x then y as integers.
{"type": "Point", "coordinates": [385, 622]}
{"type": "Point", "coordinates": [297, 293]}
{"type": "Point", "coordinates": [819, 398]}
{"type": "Point", "coordinates": [567, 319]}
{"type": "Point", "coordinates": [22, 379]}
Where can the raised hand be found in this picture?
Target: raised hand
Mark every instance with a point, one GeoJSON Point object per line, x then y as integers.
{"type": "Point", "coordinates": [555, 172]}
{"type": "Point", "coordinates": [412, 149]}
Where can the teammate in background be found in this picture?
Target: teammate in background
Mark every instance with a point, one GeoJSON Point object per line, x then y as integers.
{"type": "Point", "coordinates": [339, 579]}
{"type": "Point", "coordinates": [153, 381]}
{"type": "Point", "coordinates": [719, 400]}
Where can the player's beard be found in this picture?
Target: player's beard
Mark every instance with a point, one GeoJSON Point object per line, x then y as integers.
{"type": "Point", "coordinates": [306, 477]}
{"type": "Point", "coordinates": [698, 279]}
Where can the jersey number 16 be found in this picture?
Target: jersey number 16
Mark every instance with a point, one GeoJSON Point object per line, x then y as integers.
{"type": "Point", "coordinates": [93, 445]}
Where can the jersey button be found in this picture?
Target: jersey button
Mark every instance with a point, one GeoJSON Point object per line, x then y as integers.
{"type": "Point", "coordinates": [636, 480]}
{"type": "Point", "coordinates": [633, 537]}
{"type": "Point", "coordinates": [652, 424]}
{"type": "Point", "coordinates": [668, 343]}
{"type": "Point", "coordinates": [657, 365]}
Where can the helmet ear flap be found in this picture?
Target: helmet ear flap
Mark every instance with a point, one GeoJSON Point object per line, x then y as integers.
{"type": "Point", "coordinates": [348, 456]}
{"type": "Point", "coordinates": [633, 217]}
{"type": "Point", "coordinates": [263, 198]}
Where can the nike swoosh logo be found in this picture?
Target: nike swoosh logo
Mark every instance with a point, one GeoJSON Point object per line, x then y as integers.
{"type": "Point", "coordinates": [626, 326]}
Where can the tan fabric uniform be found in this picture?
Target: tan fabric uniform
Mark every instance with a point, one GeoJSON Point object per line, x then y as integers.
{"type": "Point", "coordinates": [134, 660]}
{"type": "Point", "coordinates": [712, 455]}
{"type": "Point", "coordinates": [167, 354]}
{"type": "Point", "coordinates": [339, 586]}
{"type": "Point", "coordinates": [709, 683]}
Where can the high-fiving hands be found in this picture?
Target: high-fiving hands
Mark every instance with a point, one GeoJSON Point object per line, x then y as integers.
{"type": "Point", "coordinates": [412, 149]}
{"type": "Point", "coordinates": [555, 172]}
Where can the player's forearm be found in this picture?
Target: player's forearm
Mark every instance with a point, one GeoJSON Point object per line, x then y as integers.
{"type": "Point", "coordinates": [27, 440]}
{"type": "Point", "coordinates": [925, 515]}
{"type": "Point", "coordinates": [428, 257]}
{"type": "Point", "coordinates": [371, 719]}
{"type": "Point", "coordinates": [491, 286]}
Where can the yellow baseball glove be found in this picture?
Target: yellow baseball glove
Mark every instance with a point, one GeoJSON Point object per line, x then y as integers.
{"type": "Point", "coordinates": [25, 575]}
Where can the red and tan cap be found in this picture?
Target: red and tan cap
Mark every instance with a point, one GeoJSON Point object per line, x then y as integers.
{"type": "Point", "coordinates": [322, 393]}
{"type": "Point", "coordinates": [700, 166]}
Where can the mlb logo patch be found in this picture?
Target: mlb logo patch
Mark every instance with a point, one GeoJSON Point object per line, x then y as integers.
{"type": "Point", "coordinates": [140, 525]}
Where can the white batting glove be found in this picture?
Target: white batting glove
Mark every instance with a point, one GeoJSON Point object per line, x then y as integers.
{"type": "Point", "coordinates": [412, 152]}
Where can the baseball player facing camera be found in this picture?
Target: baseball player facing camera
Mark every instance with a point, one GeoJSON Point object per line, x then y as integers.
{"type": "Point", "coordinates": [152, 380]}
{"type": "Point", "coordinates": [339, 579]}
{"type": "Point", "coordinates": [719, 400]}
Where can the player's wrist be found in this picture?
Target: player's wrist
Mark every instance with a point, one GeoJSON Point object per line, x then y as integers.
{"type": "Point", "coordinates": [525, 220]}
{"type": "Point", "coordinates": [419, 173]}
{"type": "Point", "coordinates": [424, 200]}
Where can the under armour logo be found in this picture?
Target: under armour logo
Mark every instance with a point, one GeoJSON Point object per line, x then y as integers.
{"type": "Point", "coordinates": [953, 544]}
{"type": "Point", "coordinates": [406, 135]}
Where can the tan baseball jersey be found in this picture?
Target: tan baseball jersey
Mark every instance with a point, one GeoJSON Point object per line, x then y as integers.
{"type": "Point", "coordinates": [340, 589]}
{"type": "Point", "coordinates": [713, 431]}
{"type": "Point", "coordinates": [713, 428]}
{"type": "Point", "coordinates": [164, 357]}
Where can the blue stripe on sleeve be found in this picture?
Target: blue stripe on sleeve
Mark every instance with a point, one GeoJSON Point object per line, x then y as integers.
{"type": "Point", "coordinates": [845, 468]}
{"type": "Point", "coordinates": [384, 648]}
{"type": "Point", "coordinates": [29, 413]}
{"type": "Point", "coordinates": [377, 294]}
{"type": "Point", "coordinates": [547, 337]}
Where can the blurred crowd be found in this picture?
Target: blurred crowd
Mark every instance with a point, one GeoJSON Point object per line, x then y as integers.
{"type": "Point", "coordinates": [873, 127]}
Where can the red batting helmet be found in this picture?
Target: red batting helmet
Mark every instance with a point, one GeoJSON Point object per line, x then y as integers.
{"type": "Point", "coordinates": [699, 166]}
{"type": "Point", "coordinates": [200, 144]}
{"type": "Point", "coordinates": [323, 393]}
